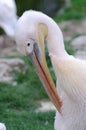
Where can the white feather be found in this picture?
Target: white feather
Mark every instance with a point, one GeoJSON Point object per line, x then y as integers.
{"type": "Point", "coordinates": [2, 126]}
{"type": "Point", "coordinates": [8, 16]}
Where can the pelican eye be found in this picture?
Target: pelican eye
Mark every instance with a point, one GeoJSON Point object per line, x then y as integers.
{"type": "Point", "coordinates": [29, 47]}
{"type": "Point", "coordinates": [28, 44]}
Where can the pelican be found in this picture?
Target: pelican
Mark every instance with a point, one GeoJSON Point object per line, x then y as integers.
{"type": "Point", "coordinates": [8, 16]}
{"type": "Point", "coordinates": [69, 97]}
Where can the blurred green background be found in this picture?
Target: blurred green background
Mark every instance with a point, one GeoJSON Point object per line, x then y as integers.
{"type": "Point", "coordinates": [69, 9]}
{"type": "Point", "coordinates": [49, 7]}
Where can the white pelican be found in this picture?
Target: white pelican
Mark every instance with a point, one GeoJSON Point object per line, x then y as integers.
{"type": "Point", "coordinates": [8, 16]}
{"type": "Point", "coordinates": [31, 31]}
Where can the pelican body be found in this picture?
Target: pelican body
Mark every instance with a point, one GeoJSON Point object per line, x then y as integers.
{"type": "Point", "coordinates": [69, 97]}
{"type": "Point", "coordinates": [8, 16]}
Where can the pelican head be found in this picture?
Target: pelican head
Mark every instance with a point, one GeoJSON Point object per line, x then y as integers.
{"type": "Point", "coordinates": [30, 35]}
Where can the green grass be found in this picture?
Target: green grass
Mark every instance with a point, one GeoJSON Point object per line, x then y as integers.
{"type": "Point", "coordinates": [76, 11]}
{"type": "Point", "coordinates": [18, 102]}
{"type": "Point", "coordinates": [17, 109]}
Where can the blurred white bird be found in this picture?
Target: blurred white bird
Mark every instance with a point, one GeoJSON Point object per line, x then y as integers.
{"type": "Point", "coordinates": [2, 126]}
{"type": "Point", "coordinates": [8, 16]}
{"type": "Point", "coordinates": [8, 20]}
{"type": "Point", "coordinates": [31, 31]}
